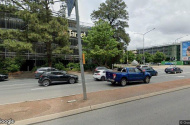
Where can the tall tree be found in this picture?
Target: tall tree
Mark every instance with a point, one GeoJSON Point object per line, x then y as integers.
{"type": "Point", "coordinates": [100, 46]}
{"type": "Point", "coordinates": [159, 56]}
{"type": "Point", "coordinates": [114, 11]}
{"type": "Point", "coordinates": [42, 26]}
{"type": "Point", "coordinates": [148, 57]}
{"type": "Point", "coordinates": [139, 58]}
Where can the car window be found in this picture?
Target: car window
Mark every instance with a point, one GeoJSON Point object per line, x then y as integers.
{"type": "Point", "coordinates": [131, 70]}
{"type": "Point", "coordinates": [123, 70]}
{"type": "Point", "coordinates": [137, 70]}
{"type": "Point", "coordinates": [53, 69]}
{"type": "Point", "coordinates": [42, 70]}
{"type": "Point", "coordinates": [97, 71]}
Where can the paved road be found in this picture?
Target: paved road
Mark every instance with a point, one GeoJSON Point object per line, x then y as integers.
{"type": "Point", "coordinates": [166, 109]}
{"type": "Point", "coordinates": [13, 91]}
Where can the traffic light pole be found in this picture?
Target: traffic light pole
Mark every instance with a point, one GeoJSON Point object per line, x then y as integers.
{"type": "Point", "coordinates": [80, 50]}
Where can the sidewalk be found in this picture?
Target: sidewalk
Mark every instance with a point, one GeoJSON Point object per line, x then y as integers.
{"type": "Point", "coordinates": [42, 109]}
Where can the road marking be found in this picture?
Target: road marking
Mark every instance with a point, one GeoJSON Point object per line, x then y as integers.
{"type": "Point", "coordinates": [13, 85]}
{"type": "Point", "coordinates": [37, 89]}
{"type": "Point", "coordinates": [180, 76]}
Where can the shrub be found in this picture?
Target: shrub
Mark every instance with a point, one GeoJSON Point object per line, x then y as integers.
{"type": "Point", "coordinates": [13, 68]}
{"type": "Point", "coordinates": [59, 66]}
{"type": "Point", "coordinates": [73, 65]}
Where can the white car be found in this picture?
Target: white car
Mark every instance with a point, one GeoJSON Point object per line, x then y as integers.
{"type": "Point", "coordinates": [100, 75]}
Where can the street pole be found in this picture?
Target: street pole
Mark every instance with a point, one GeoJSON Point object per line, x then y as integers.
{"type": "Point", "coordinates": [80, 50]}
{"type": "Point", "coordinates": [143, 42]}
{"type": "Point", "coordinates": [143, 51]}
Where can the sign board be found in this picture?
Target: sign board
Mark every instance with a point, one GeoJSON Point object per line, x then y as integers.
{"type": "Point", "coordinates": [185, 51]}
{"type": "Point", "coordinates": [70, 6]}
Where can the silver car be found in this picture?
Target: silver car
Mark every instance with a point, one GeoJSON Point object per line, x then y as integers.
{"type": "Point", "coordinates": [41, 70]}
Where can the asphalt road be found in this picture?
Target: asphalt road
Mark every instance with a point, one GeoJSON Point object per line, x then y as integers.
{"type": "Point", "coordinates": [166, 109]}
{"type": "Point", "coordinates": [19, 90]}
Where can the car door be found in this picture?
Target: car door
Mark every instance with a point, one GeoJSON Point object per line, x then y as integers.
{"type": "Point", "coordinates": [63, 77]}
{"type": "Point", "coordinates": [139, 74]}
{"type": "Point", "coordinates": [131, 74]}
{"type": "Point", "coordinates": [54, 77]}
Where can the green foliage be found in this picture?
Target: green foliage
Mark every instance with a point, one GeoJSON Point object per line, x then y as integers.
{"type": "Point", "coordinates": [12, 64]}
{"type": "Point", "coordinates": [34, 68]}
{"type": "Point", "coordinates": [114, 11]}
{"type": "Point", "coordinates": [59, 66]}
{"type": "Point", "coordinates": [40, 26]}
{"type": "Point", "coordinates": [100, 46]}
{"type": "Point", "coordinates": [139, 58]}
{"type": "Point", "coordinates": [148, 57]}
{"type": "Point", "coordinates": [158, 57]}
{"type": "Point", "coordinates": [73, 65]}
{"type": "Point", "coordinates": [13, 68]}
{"type": "Point", "coordinates": [90, 66]}
{"type": "Point", "coordinates": [131, 56]}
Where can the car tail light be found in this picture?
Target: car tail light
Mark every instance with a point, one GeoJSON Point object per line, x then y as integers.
{"type": "Point", "coordinates": [172, 69]}
{"type": "Point", "coordinates": [114, 76]}
{"type": "Point", "coordinates": [143, 70]}
{"type": "Point", "coordinates": [98, 74]}
{"type": "Point", "coordinates": [40, 76]}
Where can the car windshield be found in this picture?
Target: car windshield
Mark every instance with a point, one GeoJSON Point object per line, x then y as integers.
{"type": "Point", "coordinates": [97, 71]}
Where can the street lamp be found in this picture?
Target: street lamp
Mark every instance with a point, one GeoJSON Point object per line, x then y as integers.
{"type": "Point", "coordinates": [143, 42]}
{"type": "Point", "coordinates": [180, 38]}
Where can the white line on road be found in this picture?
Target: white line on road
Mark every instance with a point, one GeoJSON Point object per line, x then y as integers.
{"type": "Point", "coordinates": [37, 89]}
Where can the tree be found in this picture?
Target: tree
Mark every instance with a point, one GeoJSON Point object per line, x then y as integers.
{"type": "Point", "coordinates": [114, 12]}
{"type": "Point", "coordinates": [148, 57]}
{"type": "Point", "coordinates": [100, 46]}
{"type": "Point", "coordinates": [159, 56]}
{"type": "Point", "coordinates": [131, 56]}
{"type": "Point", "coordinates": [139, 58]}
{"type": "Point", "coordinates": [41, 26]}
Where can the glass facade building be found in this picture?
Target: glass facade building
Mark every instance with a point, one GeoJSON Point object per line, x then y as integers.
{"type": "Point", "coordinates": [172, 50]}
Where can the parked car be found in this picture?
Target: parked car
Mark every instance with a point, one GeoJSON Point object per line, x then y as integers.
{"type": "Point", "coordinates": [100, 75]}
{"type": "Point", "coordinates": [142, 66]}
{"type": "Point", "coordinates": [173, 70]}
{"type": "Point", "coordinates": [100, 68]}
{"type": "Point", "coordinates": [128, 74]}
{"type": "Point", "coordinates": [53, 77]}
{"type": "Point", "coordinates": [3, 77]}
{"type": "Point", "coordinates": [150, 70]}
{"type": "Point", "coordinates": [41, 70]}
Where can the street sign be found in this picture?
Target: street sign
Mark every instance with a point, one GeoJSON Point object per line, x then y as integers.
{"type": "Point", "coordinates": [70, 6]}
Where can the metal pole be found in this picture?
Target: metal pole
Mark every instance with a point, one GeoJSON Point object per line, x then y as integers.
{"type": "Point", "coordinates": [127, 56]}
{"type": "Point", "coordinates": [143, 51]}
{"type": "Point", "coordinates": [80, 50]}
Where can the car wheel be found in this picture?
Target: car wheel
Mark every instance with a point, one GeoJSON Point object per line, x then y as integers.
{"type": "Point", "coordinates": [71, 80]}
{"type": "Point", "coordinates": [147, 79]}
{"type": "Point", "coordinates": [123, 82]}
{"type": "Point", "coordinates": [46, 83]}
{"type": "Point", "coordinates": [103, 78]}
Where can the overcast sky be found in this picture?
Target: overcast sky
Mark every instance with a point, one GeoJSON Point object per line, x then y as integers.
{"type": "Point", "coordinates": [170, 18]}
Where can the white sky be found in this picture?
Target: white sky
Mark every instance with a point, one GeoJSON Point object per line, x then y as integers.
{"type": "Point", "coordinates": [170, 18]}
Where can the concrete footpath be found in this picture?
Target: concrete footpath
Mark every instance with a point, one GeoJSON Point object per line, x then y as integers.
{"type": "Point", "coordinates": [42, 110]}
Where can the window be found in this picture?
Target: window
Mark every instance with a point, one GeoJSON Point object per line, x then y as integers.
{"type": "Point", "coordinates": [137, 70]}
{"type": "Point", "coordinates": [131, 70]}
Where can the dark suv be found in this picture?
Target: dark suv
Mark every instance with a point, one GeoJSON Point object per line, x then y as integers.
{"type": "Point", "coordinates": [52, 77]}
{"type": "Point", "coordinates": [41, 70]}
